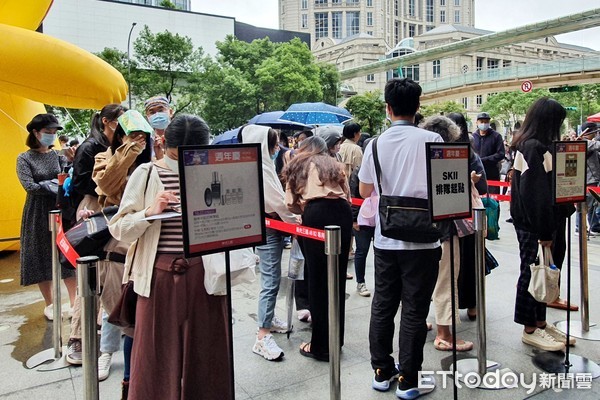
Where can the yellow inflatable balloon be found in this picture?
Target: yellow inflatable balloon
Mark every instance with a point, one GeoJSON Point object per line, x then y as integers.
{"type": "Point", "coordinates": [37, 69]}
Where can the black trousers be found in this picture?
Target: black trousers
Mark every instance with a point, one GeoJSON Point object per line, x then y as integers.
{"type": "Point", "coordinates": [467, 282]}
{"type": "Point", "coordinates": [318, 214]}
{"type": "Point", "coordinates": [408, 276]}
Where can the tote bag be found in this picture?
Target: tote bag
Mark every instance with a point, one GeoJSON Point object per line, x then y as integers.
{"type": "Point", "coordinates": [543, 285]}
{"type": "Point", "coordinates": [242, 262]}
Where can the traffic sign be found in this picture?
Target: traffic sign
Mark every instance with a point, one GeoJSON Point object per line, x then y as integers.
{"type": "Point", "coordinates": [526, 86]}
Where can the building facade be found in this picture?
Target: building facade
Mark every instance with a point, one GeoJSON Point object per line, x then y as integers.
{"type": "Point", "coordinates": [179, 4]}
{"type": "Point", "coordinates": [390, 20]}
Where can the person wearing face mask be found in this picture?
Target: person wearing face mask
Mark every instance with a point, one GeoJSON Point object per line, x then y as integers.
{"type": "Point", "coordinates": [159, 113]}
{"type": "Point", "coordinates": [269, 253]}
{"type": "Point", "coordinates": [489, 145]}
{"type": "Point", "coordinates": [181, 339]}
{"type": "Point", "coordinates": [37, 169]}
{"type": "Point", "coordinates": [85, 199]}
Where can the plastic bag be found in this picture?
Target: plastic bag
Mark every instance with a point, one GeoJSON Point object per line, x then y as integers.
{"type": "Point", "coordinates": [243, 263]}
{"type": "Point", "coordinates": [543, 285]}
{"type": "Point", "coordinates": [296, 265]}
{"type": "Point", "coordinates": [492, 211]}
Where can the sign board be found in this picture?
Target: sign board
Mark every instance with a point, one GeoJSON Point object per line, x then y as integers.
{"type": "Point", "coordinates": [448, 181]}
{"type": "Point", "coordinates": [222, 198]}
{"type": "Point", "coordinates": [569, 171]}
{"type": "Point", "coordinates": [527, 86]}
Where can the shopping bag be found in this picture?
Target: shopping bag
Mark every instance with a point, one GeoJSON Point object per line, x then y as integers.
{"type": "Point", "coordinates": [296, 265]}
{"type": "Point", "coordinates": [543, 285]}
{"type": "Point", "coordinates": [492, 212]}
{"type": "Point", "coordinates": [242, 262]}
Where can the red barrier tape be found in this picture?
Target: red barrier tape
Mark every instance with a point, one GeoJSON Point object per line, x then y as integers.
{"type": "Point", "coordinates": [498, 183]}
{"type": "Point", "coordinates": [299, 230]}
{"type": "Point", "coordinates": [64, 246]}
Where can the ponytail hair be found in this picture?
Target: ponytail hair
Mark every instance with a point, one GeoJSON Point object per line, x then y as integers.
{"type": "Point", "coordinates": [111, 112]}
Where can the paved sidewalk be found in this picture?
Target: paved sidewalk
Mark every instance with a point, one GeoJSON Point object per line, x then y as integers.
{"type": "Point", "coordinates": [24, 332]}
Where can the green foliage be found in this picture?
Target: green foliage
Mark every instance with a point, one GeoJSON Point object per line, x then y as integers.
{"type": "Point", "coordinates": [368, 110]}
{"type": "Point", "coordinates": [446, 107]}
{"type": "Point", "coordinates": [76, 123]}
{"type": "Point", "coordinates": [167, 4]}
{"type": "Point", "coordinates": [330, 82]}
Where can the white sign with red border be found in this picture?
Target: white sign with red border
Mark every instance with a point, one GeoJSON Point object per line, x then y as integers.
{"type": "Point", "coordinates": [527, 86]}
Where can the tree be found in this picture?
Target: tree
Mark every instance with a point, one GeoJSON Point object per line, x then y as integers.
{"type": "Point", "coordinates": [446, 107]}
{"type": "Point", "coordinates": [330, 83]}
{"type": "Point", "coordinates": [368, 110]}
{"type": "Point", "coordinates": [167, 4]}
{"type": "Point", "coordinates": [76, 123]}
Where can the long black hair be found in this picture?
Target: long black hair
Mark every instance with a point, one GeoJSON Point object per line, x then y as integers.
{"type": "Point", "coordinates": [186, 129]}
{"type": "Point", "coordinates": [542, 122]}
{"type": "Point", "coordinates": [459, 119]}
{"type": "Point", "coordinates": [111, 112]}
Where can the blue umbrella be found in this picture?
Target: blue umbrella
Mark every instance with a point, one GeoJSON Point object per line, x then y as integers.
{"type": "Point", "coordinates": [227, 137]}
{"type": "Point", "coordinates": [316, 114]}
{"type": "Point", "coordinates": [273, 119]}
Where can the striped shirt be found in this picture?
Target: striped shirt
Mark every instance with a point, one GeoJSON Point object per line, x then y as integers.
{"type": "Point", "coordinates": [171, 229]}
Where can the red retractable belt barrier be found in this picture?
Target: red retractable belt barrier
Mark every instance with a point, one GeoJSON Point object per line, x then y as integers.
{"type": "Point", "coordinates": [311, 233]}
{"type": "Point", "coordinates": [64, 246]}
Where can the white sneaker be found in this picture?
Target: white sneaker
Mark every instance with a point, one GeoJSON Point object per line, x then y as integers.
{"type": "Point", "coordinates": [49, 312]}
{"type": "Point", "coordinates": [267, 348]}
{"type": "Point", "coordinates": [361, 289]}
{"type": "Point", "coordinates": [278, 326]}
{"type": "Point", "coordinates": [558, 335]}
{"type": "Point", "coordinates": [542, 340]}
{"type": "Point", "coordinates": [104, 362]}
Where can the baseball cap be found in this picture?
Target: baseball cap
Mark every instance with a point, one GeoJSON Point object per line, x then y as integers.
{"type": "Point", "coordinates": [42, 121]}
{"type": "Point", "coordinates": [156, 100]}
{"type": "Point", "coordinates": [483, 115]}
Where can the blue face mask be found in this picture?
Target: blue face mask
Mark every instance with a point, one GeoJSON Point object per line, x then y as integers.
{"type": "Point", "coordinates": [160, 120]}
{"type": "Point", "coordinates": [274, 156]}
{"type": "Point", "coordinates": [47, 139]}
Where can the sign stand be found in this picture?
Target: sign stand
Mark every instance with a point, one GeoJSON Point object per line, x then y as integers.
{"type": "Point", "coordinates": [222, 203]}
{"type": "Point", "coordinates": [569, 184]}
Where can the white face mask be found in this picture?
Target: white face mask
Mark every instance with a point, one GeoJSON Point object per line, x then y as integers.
{"type": "Point", "coordinates": [483, 127]}
{"type": "Point", "coordinates": [172, 164]}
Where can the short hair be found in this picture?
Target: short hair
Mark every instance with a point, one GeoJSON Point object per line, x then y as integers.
{"type": "Point", "coordinates": [402, 95]}
{"type": "Point", "coordinates": [63, 138]}
{"type": "Point", "coordinates": [350, 130]}
{"type": "Point", "coordinates": [186, 129]}
{"type": "Point", "coordinates": [74, 142]}
{"type": "Point", "coordinates": [443, 126]}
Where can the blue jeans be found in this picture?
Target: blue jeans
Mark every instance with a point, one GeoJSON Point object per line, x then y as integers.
{"type": "Point", "coordinates": [363, 238]}
{"type": "Point", "coordinates": [110, 336]}
{"type": "Point", "coordinates": [270, 276]}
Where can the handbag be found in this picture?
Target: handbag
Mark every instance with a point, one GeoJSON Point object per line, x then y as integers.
{"type": "Point", "coordinates": [404, 218]}
{"type": "Point", "coordinates": [88, 237]}
{"type": "Point", "coordinates": [490, 262]}
{"type": "Point", "coordinates": [543, 285]}
{"type": "Point", "coordinates": [242, 264]}
{"type": "Point", "coordinates": [296, 264]}
{"type": "Point", "coordinates": [123, 315]}
{"type": "Point", "coordinates": [492, 212]}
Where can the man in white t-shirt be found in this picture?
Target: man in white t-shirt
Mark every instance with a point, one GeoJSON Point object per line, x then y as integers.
{"type": "Point", "coordinates": [404, 271]}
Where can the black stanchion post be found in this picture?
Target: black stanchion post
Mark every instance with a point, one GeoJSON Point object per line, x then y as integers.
{"type": "Point", "coordinates": [230, 321]}
{"type": "Point", "coordinates": [87, 286]}
{"type": "Point", "coordinates": [54, 354]}
{"type": "Point", "coordinates": [453, 303]}
{"type": "Point", "coordinates": [332, 250]}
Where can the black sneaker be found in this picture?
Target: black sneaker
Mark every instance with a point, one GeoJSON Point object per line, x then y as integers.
{"type": "Point", "coordinates": [74, 356]}
{"type": "Point", "coordinates": [408, 391]}
{"type": "Point", "coordinates": [382, 379]}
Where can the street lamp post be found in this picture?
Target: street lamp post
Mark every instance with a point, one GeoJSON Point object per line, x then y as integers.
{"type": "Point", "coordinates": [336, 65]}
{"type": "Point", "coordinates": [129, 62]}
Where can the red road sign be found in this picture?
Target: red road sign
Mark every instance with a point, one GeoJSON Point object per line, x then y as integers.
{"type": "Point", "coordinates": [526, 86]}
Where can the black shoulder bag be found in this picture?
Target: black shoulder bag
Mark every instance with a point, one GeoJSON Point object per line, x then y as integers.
{"type": "Point", "coordinates": [404, 218]}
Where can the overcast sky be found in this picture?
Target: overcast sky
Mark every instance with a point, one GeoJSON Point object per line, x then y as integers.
{"type": "Point", "coordinates": [495, 15]}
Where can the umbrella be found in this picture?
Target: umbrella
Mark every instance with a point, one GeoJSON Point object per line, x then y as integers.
{"type": "Point", "coordinates": [273, 120]}
{"type": "Point", "coordinates": [289, 299]}
{"type": "Point", "coordinates": [227, 137]}
{"type": "Point", "coordinates": [594, 118]}
{"type": "Point", "coordinates": [316, 114]}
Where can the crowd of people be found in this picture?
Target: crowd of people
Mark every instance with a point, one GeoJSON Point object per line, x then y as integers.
{"type": "Point", "coordinates": [181, 341]}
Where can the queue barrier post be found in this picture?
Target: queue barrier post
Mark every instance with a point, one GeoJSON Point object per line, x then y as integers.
{"type": "Point", "coordinates": [87, 285]}
{"type": "Point", "coordinates": [332, 250]}
{"type": "Point", "coordinates": [54, 354]}
{"type": "Point", "coordinates": [480, 365]}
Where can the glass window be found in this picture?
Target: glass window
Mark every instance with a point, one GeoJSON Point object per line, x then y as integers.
{"type": "Point", "coordinates": [479, 66]}
{"type": "Point", "coordinates": [442, 2]}
{"type": "Point", "coordinates": [371, 78]}
{"type": "Point", "coordinates": [479, 100]}
{"type": "Point", "coordinates": [437, 68]}
{"type": "Point", "coordinates": [336, 1]}
{"type": "Point", "coordinates": [304, 5]}
{"type": "Point", "coordinates": [336, 25]}
{"type": "Point", "coordinates": [411, 30]}
{"type": "Point", "coordinates": [320, 3]}
{"type": "Point", "coordinates": [369, 3]}
{"type": "Point", "coordinates": [443, 16]}
{"type": "Point", "coordinates": [396, 6]}
{"type": "Point", "coordinates": [429, 11]}
{"type": "Point", "coordinates": [304, 21]}
{"type": "Point", "coordinates": [352, 23]}
{"type": "Point", "coordinates": [396, 32]}
{"type": "Point", "coordinates": [465, 103]}
{"type": "Point", "coordinates": [457, 16]}
{"type": "Point", "coordinates": [369, 18]}
{"type": "Point", "coordinates": [457, 3]}
{"type": "Point", "coordinates": [321, 25]}
{"type": "Point", "coordinates": [370, 33]}
{"type": "Point", "coordinates": [411, 8]}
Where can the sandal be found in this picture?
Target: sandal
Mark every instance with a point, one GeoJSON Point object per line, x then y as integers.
{"type": "Point", "coordinates": [443, 345]}
{"type": "Point", "coordinates": [305, 351]}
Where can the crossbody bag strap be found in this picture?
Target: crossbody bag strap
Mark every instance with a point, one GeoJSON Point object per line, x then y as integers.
{"type": "Point", "coordinates": [377, 165]}
{"type": "Point", "coordinates": [137, 241]}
